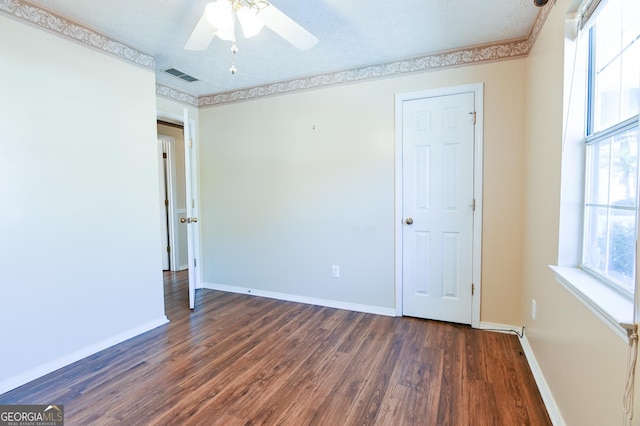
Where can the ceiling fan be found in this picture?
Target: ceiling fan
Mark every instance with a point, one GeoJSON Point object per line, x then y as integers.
{"type": "Point", "coordinates": [219, 20]}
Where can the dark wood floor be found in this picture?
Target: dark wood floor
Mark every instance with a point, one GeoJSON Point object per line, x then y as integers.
{"type": "Point", "coordinates": [246, 360]}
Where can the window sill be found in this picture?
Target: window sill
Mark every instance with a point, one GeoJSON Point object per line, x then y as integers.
{"type": "Point", "coordinates": [613, 308]}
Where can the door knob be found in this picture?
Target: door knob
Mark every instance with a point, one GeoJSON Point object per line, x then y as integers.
{"type": "Point", "coordinates": [183, 220]}
{"type": "Point", "coordinates": [409, 221]}
{"type": "Point", "coordinates": [194, 220]}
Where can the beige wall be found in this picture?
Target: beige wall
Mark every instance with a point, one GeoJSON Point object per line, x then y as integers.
{"type": "Point", "coordinates": [282, 200]}
{"type": "Point", "coordinates": [169, 110]}
{"type": "Point", "coordinates": [582, 360]}
{"type": "Point", "coordinates": [79, 189]}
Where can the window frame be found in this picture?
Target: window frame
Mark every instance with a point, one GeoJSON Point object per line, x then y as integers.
{"type": "Point", "coordinates": [592, 138]}
{"type": "Point", "coordinates": [615, 309]}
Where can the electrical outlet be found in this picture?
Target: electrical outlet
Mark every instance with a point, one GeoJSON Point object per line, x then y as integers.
{"type": "Point", "coordinates": [335, 271]}
{"type": "Point", "coordinates": [533, 309]}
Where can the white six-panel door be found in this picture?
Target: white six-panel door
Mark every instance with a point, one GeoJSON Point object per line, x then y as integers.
{"type": "Point", "coordinates": [190, 164]}
{"type": "Point", "coordinates": [438, 207]}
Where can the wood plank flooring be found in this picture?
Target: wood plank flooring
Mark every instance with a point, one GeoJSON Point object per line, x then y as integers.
{"type": "Point", "coordinates": [244, 360]}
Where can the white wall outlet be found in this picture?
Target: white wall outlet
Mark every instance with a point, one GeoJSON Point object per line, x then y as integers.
{"type": "Point", "coordinates": [533, 309]}
{"type": "Point", "coordinates": [335, 271]}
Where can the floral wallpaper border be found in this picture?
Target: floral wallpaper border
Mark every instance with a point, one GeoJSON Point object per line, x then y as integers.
{"type": "Point", "coordinates": [62, 26]}
{"type": "Point", "coordinates": [65, 27]}
{"type": "Point", "coordinates": [424, 63]}
{"type": "Point", "coordinates": [176, 95]}
{"type": "Point", "coordinates": [467, 56]}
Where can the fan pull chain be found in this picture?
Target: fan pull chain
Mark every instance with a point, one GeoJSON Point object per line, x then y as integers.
{"type": "Point", "coordinates": [234, 50]}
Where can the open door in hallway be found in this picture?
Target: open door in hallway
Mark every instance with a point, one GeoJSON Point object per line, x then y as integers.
{"type": "Point", "coordinates": [191, 220]}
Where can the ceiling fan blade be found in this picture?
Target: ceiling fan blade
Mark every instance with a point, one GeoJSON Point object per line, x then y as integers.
{"type": "Point", "coordinates": [202, 35]}
{"type": "Point", "coordinates": [287, 28]}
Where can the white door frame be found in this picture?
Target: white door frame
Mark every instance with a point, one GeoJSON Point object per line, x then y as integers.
{"type": "Point", "coordinates": [165, 225]}
{"type": "Point", "coordinates": [172, 213]}
{"type": "Point", "coordinates": [478, 91]}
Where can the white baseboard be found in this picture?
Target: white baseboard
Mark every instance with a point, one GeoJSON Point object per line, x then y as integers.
{"type": "Point", "coordinates": [378, 310]}
{"type": "Point", "coordinates": [500, 328]}
{"type": "Point", "coordinates": [35, 373]}
{"type": "Point", "coordinates": [543, 387]}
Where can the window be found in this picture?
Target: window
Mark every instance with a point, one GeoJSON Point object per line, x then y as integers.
{"type": "Point", "coordinates": [611, 203]}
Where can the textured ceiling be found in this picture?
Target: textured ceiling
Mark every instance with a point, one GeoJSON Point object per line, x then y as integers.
{"type": "Point", "coordinates": [352, 34]}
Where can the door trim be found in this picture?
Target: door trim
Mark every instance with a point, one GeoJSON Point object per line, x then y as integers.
{"type": "Point", "coordinates": [478, 90]}
{"type": "Point", "coordinates": [172, 218]}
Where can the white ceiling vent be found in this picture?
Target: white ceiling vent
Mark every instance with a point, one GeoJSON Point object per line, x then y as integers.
{"type": "Point", "coordinates": [181, 75]}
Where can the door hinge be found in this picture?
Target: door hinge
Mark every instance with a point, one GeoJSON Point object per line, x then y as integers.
{"type": "Point", "coordinates": [473, 289]}
{"type": "Point", "coordinates": [168, 249]}
{"type": "Point", "coordinates": [164, 155]}
{"type": "Point", "coordinates": [166, 203]}
{"type": "Point", "coordinates": [195, 262]}
{"type": "Point", "coordinates": [193, 203]}
{"type": "Point", "coordinates": [474, 116]}
{"type": "Point", "coordinates": [190, 143]}
{"type": "Point", "coordinates": [473, 205]}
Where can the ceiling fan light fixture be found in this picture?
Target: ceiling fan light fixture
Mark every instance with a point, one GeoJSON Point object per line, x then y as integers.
{"type": "Point", "coordinates": [249, 21]}
{"type": "Point", "coordinates": [220, 15]}
{"type": "Point", "coordinates": [227, 34]}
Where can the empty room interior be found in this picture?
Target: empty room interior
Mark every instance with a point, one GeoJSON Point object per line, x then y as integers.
{"type": "Point", "coordinates": [321, 212]}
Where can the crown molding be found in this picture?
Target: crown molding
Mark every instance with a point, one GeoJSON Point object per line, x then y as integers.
{"type": "Point", "coordinates": [57, 24]}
